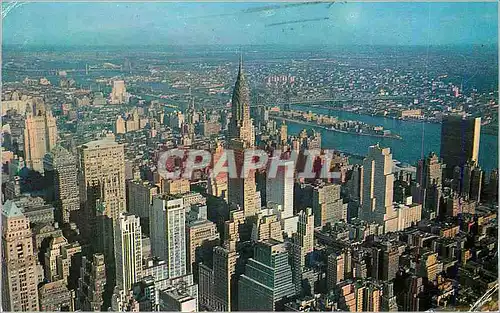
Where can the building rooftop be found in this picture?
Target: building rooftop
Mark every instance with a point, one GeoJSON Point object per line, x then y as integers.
{"type": "Point", "coordinates": [10, 209]}
{"type": "Point", "coordinates": [106, 142]}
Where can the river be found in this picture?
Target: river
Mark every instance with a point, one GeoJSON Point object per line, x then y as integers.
{"type": "Point", "coordinates": [409, 149]}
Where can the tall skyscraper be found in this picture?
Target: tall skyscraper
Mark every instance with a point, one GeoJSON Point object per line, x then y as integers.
{"type": "Point", "coordinates": [102, 166]}
{"type": "Point", "coordinates": [201, 237]}
{"type": "Point", "coordinates": [378, 183]}
{"type": "Point", "coordinates": [168, 232]}
{"type": "Point", "coordinates": [327, 205]}
{"type": "Point", "coordinates": [19, 262]}
{"type": "Point", "coordinates": [430, 177]}
{"type": "Point", "coordinates": [335, 271]}
{"type": "Point", "coordinates": [217, 186]}
{"type": "Point", "coordinates": [128, 251]}
{"type": "Point", "coordinates": [279, 189]}
{"type": "Point", "coordinates": [61, 171]}
{"type": "Point", "coordinates": [40, 135]}
{"type": "Point", "coordinates": [242, 190]}
{"type": "Point", "coordinates": [118, 93]}
{"type": "Point", "coordinates": [459, 140]}
{"type": "Point", "coordinates": [304, 237]}
{"type": "Point", "coordinates": [267, 278]}
{"type": "Point", "coordinates": [224, 279]}
{"type": "Point", "coordinates": [91, 284]}
{"type": "Point", "coordinates": [241, 126]}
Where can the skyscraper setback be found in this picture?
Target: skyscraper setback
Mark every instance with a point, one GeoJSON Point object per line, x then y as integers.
{"type": "Point", "coordinates": [378, 182]}
{"type": "Point", "coordinates": [40, 135]}
{"type": "Point", "coordinates": [19, 263]}
{"type": "Point", "coordinates": [102, 163]}
{"type": "Point", "coordinates": [242, 190]}
{"type": "Point", "coordinates": [60, 169]}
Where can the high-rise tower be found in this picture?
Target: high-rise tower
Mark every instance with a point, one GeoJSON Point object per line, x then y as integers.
{"type": "Point", "coordinates": [102, 163]}
{"type": "Point", "coordinates": [459, 141]}
{"type": "Point", "coordinates": [168, 232]}
{"type": "Point", "coordinates": [242, 190]}
{"type": "Point", "coordinates": [40, 135]}
{"type": "Point", "coordinates": [60, 169]}
{"type": "Point", "coordinates": [378, 183]}
{"type": "Point", "coordinates": [19, 261]}
{"type": "Point", "coordinates": [128, 251]}
{"type": "Point", "coordinates": [241, 126]}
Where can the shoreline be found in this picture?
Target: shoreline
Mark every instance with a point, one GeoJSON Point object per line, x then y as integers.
{"type": "Point", "coordinates": [397, 137]}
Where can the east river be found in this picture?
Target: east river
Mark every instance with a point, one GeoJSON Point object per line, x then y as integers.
{"type": "Point", "coordinates": [409, 149]}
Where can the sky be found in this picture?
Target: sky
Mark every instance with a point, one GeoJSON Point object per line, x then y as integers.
{"type": "Point", "coordinates": [168, 23]}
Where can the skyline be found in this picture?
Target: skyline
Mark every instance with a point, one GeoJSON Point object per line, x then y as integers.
{"type": "Point", "coordinates": [188, 24]}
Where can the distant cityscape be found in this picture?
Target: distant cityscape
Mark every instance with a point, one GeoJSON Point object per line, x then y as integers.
{"type": "Point", "coordinates": [399, 212]}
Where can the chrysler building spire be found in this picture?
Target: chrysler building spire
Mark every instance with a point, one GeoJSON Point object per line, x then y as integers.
{"type": "Point", "coordinates": [240, 108]}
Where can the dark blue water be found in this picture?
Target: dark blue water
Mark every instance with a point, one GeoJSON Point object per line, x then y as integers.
{"type": "Point", "coordinates": [419, 138]}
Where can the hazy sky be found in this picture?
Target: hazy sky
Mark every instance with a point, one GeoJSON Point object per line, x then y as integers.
{"type": "Point", "coordinates": [244, 23]}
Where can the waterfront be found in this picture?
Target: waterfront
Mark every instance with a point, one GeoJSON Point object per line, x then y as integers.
{"type": "Point", "coordinates": [408, 149]}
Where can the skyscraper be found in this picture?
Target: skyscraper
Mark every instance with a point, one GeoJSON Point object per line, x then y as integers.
{"type": "Point", "coordinates": [224, 279]}
{"type": "Point", "coordinates": [327, 205]}
{"type": "Point", "coordinates": [241, 126]}
{"type": "Point", "coordinates": [118, 93]}
{"type": "Point", "coordinates": [60, 169]}
{"type": "Point", "coordinates": [201, 236]}
{"type": "Point", "coordinates": [335, 271]}
{"type": "Point", "coordinates": [279, 189]}
{"type": "Point", "coordinates": [102, 165]}
{"type": "Point", "coordinates": [242, 190]}
{"type": "Point", "coordinates": [91, 284]}
{"type": "Point", "coordinates": [267, 278]}
{"type": "Point", "coordinates": [40, 135]}
{"type": "Point", "coordinates": [304, 237]}
{"type": "Point", "coordinates": [378, 182]}
{"type": "Point", "coordinates": [459, 140]}
{"type": "Point", "coordinates": [19, 262]}
{"type": "Point", "coordinates": [430, 176]}
{"type": "Point", "coordinates": [168, 232]}
{"type": "Point", "coordinates": [128, 251]}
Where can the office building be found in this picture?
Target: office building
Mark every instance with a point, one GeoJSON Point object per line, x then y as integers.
{"type": "Point", "coordinates": [128, 250]}
{"type": "Point", "coordinates": [19, 262]}
{"type": "Point", "coordinates": [60, 259]}
{"type": "Point", "coordinates": [242, 190]}
{"type": "Point", "coordinates": [118, 93]}
{"type": "Point", "coordinates": [40, 135]}
{"type": "Point", "coordinates": [279, 189]}
{"type": "Point", "coordinates": [459, 140]}
{"type": "Point", "coordinates": [304, 236]}
{"type": "Point", "coordinates": [61, 172]}
{"type": "Point", "coordinates": [102, 166]}
{"type": "Point", "coordinates": [335, 270]}
{"type": "Point", "coordinates": [378, 183]}
{"type": "Point", "coordinates": [201, 237]}
{"type": "Point", "coordinates": [267, 279]}
{"type": "Point", "coordinates": [176, 186]}
{"type": "Point", "coordinates": [139, 200]}
{"type": "Point", "coordinates": [91, 284]}
{"type": "Point", "coordinates": [327, 205]}
{"type": "Point", "coordinates": [430, 177]}
{"type": "Point", "coordinates": [168, 232]}
{"type": "Point", "coordinates": [217, 186]}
